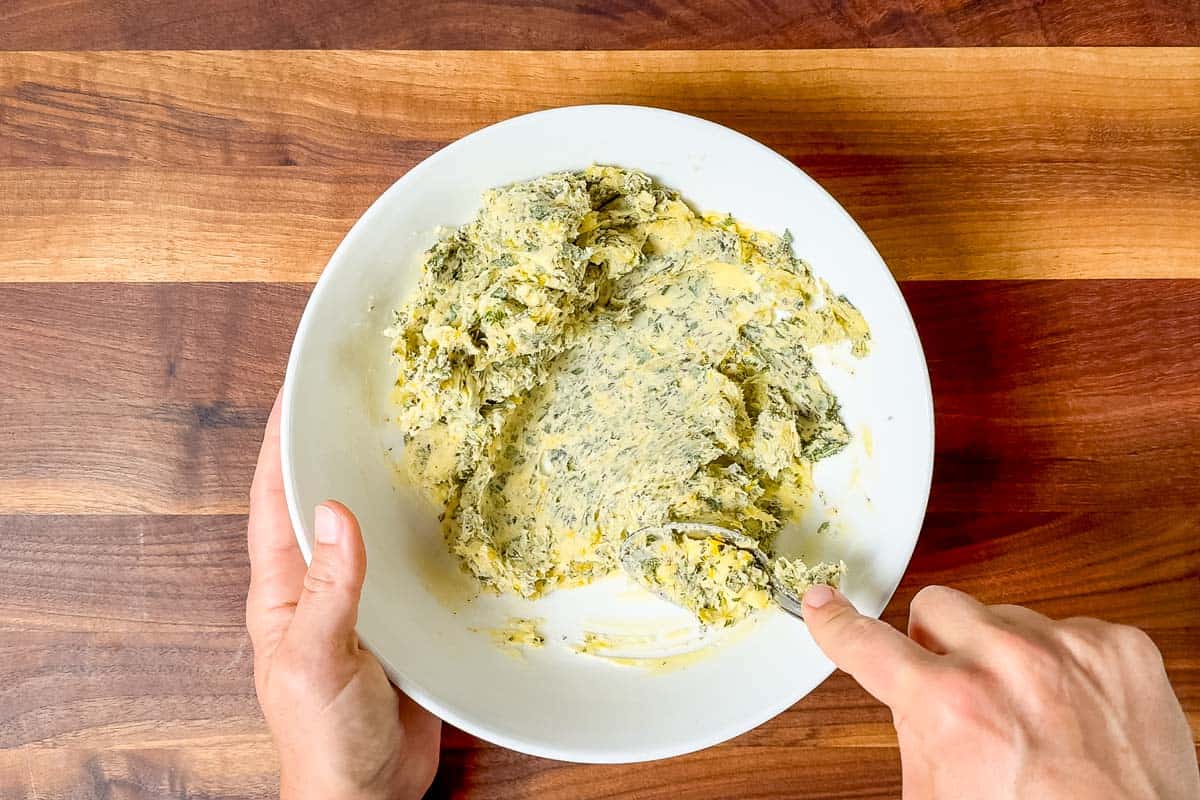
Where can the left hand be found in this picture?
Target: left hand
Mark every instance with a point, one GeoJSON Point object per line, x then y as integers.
{"type": "Point", "coordinates": [342, 729]}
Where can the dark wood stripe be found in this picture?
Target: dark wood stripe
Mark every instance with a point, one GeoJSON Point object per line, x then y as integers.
{"type": "Point", "coordinates": [84, 673]}
{"type": "Point", "coordinates": [215, 764]}
{"type": "Point", "coordinates": [139, 397]}
{"type": "Point", "coordinates": [190, 349]}
{"type": "Point", "coordinates": [152, 573]}
{"type": "Point", "coordinates": [191, 457]}
{"type": "Point", "coordinates": [591, 24]}
{"type": "Point", "coordinates": [59, 682]}
{"type": "Point", "coordinates": [145, 574]}
{"type": "Point", "coordinates": [1062, 394]}
{"type": "Point", "coordinates": [742, 771]}
{"type": "Point", "coordinates": [1050, 395]}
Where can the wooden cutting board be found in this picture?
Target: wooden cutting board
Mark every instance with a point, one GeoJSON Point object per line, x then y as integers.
{"type": "Point", "coordinates": [164, 213]}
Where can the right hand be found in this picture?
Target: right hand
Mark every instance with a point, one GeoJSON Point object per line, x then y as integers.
{"type": "Point", "coordinates": [1002, 702]}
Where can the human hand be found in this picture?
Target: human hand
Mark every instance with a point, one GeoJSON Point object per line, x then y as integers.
{"type": "Point", "coordinates": [1002, 702]}
{"type": "Point", "coordinates": [341, 728]}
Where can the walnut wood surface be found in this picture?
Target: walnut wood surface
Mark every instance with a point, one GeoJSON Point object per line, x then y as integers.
{"type": "Point", "coordinates": [1010, 163]}
{"type": "Point", "coordinates": [127, 668]}
{"type": "Point", "coordinates": [1050, 395]}
{"type": "Point", "coordinates": [587, 24]}
{"type": "Point", "coordinates": [162, 216]}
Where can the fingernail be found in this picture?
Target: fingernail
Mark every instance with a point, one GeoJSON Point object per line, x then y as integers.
{"type": "Point", "coordinates": [327, 524]}
{"type": "Point", "coordinates": [818, 596]}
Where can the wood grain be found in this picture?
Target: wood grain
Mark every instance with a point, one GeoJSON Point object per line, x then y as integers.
{"type": "Point", "coordinates": [790, 771]}
{"type": "Point", "coordinates": [89, 577]}
{"type": "Point", "coordinates": [929, 222]}
{"type": "Point", "coordinates": [170, 388]}
{"type": "Point", "coordinates": [152, 697]}
{"type": "Point", "coordinates": [164, 213]}
{"type": "Point", "coordinates": [127, 667]}
{"type": "Point", "coordinates": [587, 25]}
{"type": "Point", "coordinates": [1050, 395]}
{"type": "Point", "coordinates": [958, 164]}
{"type": "Point", "coordinates": [201, 349]}
{"type": "Point", "coordinates": [1136, 106]}
{"type": "Point", "coordinates": [224, 765]}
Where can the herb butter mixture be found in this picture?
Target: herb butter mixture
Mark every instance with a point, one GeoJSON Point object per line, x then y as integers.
{"type": "Point", "coordinates": [588, 357]}
{"type": "Point", "coordinates": [719, 581]}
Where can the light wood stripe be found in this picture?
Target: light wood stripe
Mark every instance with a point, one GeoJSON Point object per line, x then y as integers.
{"type": "Point", "coordinates": [960, 164]}
{"type": "Point", "coordinates": [260, 107]}
{"type": "Point", "coordinates": [140, 224]}
{"type": "Point", "coordinates": [929, 222]}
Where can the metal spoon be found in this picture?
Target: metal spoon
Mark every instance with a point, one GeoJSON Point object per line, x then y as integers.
{"type": "Point", "coordinates": [635, 551]}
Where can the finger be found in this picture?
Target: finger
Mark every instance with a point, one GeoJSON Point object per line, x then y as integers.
{"type": "Point", "coordinates": [276, 566]}
{"type": "Point", "coordinates": [942, 619]}
{"type": "Point", "coordinates": [882, 659]}
{"type": "Point", "coordinates": [328, 607]}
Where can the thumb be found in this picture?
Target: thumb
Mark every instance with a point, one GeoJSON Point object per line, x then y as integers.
{"type": "Point", "coordinates": [328, 607]}
{"type": "Point", "coordinates": [883, 660]}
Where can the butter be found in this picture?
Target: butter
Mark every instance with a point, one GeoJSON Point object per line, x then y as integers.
{"type": "Point", "coordinates": [588, 357]}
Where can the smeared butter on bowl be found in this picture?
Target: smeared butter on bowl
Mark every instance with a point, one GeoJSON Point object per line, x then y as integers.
{"type": "Point", "coordinates": [517, 634]}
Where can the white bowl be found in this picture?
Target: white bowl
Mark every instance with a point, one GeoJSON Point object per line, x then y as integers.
{"type": "Point", "coordinates": [556, 702]}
